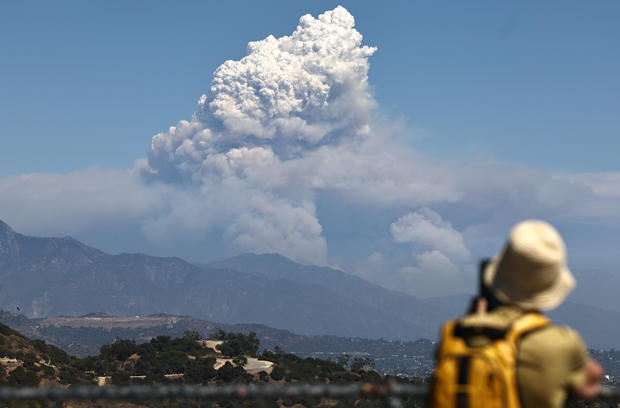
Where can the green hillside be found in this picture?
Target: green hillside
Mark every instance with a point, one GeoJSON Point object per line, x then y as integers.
{"type": "Point", "coordinates": [188, 360]}
{"type": "Point", "coordinates": [224, 359]}
{"type": "Point", "coordinates": [28, 362]}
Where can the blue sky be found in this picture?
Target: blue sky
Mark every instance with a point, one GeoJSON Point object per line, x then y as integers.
{"type": "Point", "coordinates": [477, 80]}
{"type": "Point", "coordinates": [494, 111]}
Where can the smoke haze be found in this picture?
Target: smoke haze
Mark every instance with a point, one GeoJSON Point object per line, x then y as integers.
{"type": "Point", "coordinates": [291, 122]}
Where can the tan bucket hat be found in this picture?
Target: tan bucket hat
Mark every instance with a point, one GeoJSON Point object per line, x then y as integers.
{"type": "Point", "coordinates": [531, 270]}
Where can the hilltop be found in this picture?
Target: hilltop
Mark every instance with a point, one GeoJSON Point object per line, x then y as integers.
{"type": "Point", "coordinates": [84, 336]}
{"type": "Point", "coordinates": [228, 358]}
{"type": "Point", "coordinates": [26, 362]}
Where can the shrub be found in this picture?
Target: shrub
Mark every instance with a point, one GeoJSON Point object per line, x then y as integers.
{"type": "Point", "coordinates": [277, 373]}
{"type": "Point", "coordinates": [200, 371]}
{"type": "Point", "coordinates": [5, 352]}
{"type": "Point", "coordinates": [67, 376]}
{"type": "Point", "coordinates": [225, 373]}
{"type": "Point", "coordinates": [120, 350]}
{"type": "Point", "coordinates": [236, 344]}
{"type": "Point", "coordinates": [47, 370]}
{"type": "Point", "coordinates": [121, 378]}
{"type": "Point", "coordinates": [21, 377]}
{"type": "Point", "coordinates": [360, 364]}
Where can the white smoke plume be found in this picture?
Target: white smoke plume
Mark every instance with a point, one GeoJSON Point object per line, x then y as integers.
{"type": "Point", "coordinates": [289, 120]}
{"type": "Point", "coordinates": [74, 202]}
{"type": "Point", "coordinates": [438, 250]}
{"type": "Point", "coordinates": [287, 96]}
{"type": "Point", "coordinates": [433, 275]}
{"type": "Point", "coordinates": [427, 231]}
{"type": "Point", "coordinates": [255, 129]}
{"type": "Point", "coordinates": [279, 129]}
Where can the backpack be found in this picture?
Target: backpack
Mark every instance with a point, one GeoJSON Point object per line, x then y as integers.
{"type": "Point", "coordinates": [469, 377]}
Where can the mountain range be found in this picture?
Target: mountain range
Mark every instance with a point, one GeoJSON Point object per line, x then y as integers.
{"type": "Point", "coordinates": [61, 276]}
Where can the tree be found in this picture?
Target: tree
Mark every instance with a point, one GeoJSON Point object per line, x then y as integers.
{"type": "Point", "coordinates": [120, 350]}
{"type": "Point", "coordinates": [200, 370]}
{"type": "Point", "coordinates": [240, 360]}
{"type": "Point", "coordinates": [362, 364]}
{"type": "Point", "coordinates": [277, 373]}
{"type": "Point", "coordinates": [237, 344]}
{"type": "Point", "coordinates": [191, 335]}
{"type": "Point", "coordinates": [343, 360]}
{"type": "Point", "coordinates": [19, 376]}
{"type": "Point", "coordinates": [121, 378]}
{"type": "Point", "coordinates": [229, 373]}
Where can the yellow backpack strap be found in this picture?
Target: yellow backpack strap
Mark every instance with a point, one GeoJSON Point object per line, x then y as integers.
{"type": "Point", "coordinates": [450, 344]}
{"type": "Point", "coordinates": [446, 336]}
{"type": "Point", "coordinates": [528, 322]}
{"type": "Point", "coordinates": [448, 329]}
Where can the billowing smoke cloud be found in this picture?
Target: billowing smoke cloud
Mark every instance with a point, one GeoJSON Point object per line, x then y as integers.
{"type": "Point", "coordinates": [290, 120]}
{"type": "Point", "coordinates": [283, 127]}
{"type": "Point", "coordinates": [433, 275]}
{"type": "Point", "coordinates": [427, 231]}
{"type": "Point", "coordinates": [77, 201]}
{"type": "Point", "coordinates": [254, 131]}
{"type": "Point", "coordinates": [438, 250]}
{"type": "Point", "coordinates": [286, 97]}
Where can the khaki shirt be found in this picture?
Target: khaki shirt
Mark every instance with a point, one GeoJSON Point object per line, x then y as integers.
{"type": "Point", "coordinates": [551, 361]}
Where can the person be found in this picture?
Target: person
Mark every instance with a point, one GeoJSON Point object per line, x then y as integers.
{"type": "Point", "coordinates": [530, 275]}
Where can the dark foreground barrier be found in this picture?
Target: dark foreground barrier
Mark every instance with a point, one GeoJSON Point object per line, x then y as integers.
{"type": "Point", "coordinates": [391, 393]}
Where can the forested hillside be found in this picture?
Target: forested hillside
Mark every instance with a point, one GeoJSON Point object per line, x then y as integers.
{"type": "Point", "coordinates": [228, 358]}
{"type": "Point", "coordinates": [188, 360]}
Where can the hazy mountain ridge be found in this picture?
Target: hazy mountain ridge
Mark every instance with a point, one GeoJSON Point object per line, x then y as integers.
{"type": "Point", "coordinates": [61, 276]}
{"type": "Point", "coordinates": [394, 303]}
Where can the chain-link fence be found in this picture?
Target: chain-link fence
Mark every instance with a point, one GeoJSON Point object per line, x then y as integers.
{"type": "Point", "coordinates": [391, 394]}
